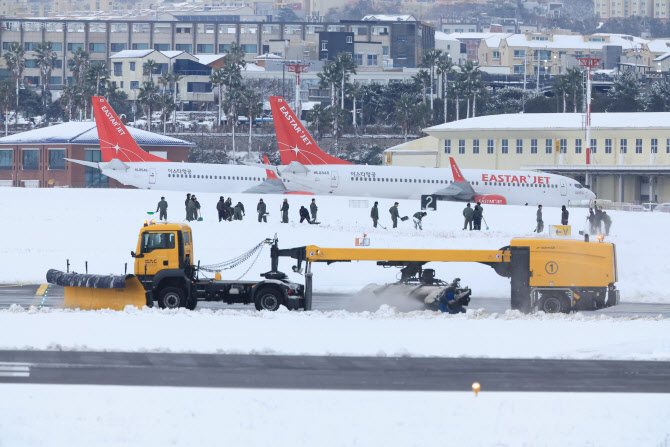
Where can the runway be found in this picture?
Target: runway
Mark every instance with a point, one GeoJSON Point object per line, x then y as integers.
{"type": "Point", "coordinates": [333, 373]}
{"type": "Point", "coordinates": [38, 295]}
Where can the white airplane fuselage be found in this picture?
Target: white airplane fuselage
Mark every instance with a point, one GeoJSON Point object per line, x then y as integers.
{"type": "Point", "coordinates": [393, 182]}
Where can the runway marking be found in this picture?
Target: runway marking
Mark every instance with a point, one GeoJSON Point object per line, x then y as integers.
{"type": "Point", "coordinates": [41, 295]}
{"type": "Point", "coordinates": [12, 369]}
{"type": "Point", "coordinates": [15, 285]}
{"type": "Point", "coordinates": [42, 290]}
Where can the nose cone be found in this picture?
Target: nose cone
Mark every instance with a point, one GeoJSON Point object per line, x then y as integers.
{"type": "Point", "coordinates": [590, 194]}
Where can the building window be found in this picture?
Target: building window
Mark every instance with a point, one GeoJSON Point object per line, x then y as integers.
{"type": "Point", "coordinates": [490, 145]}
{"type": "Point", "coordinates": [6, 158]}
{"type": "Point", "coordinates": [116, 47]}
{"type": "Point", "coordinates": [118, 68]}
{"type": "Point", "coordinates": [594, 145]}
{"type": "Point", "coordinates": [56, 80]}
{"type": "Point", "coordinates": [667, 146]}
{"type": "Point", "coordinates": [72, 47]}
{"type": "Point", "coordinates": [496, 55]}
{"type": "Point", "coordinates": [475, 146]}
{"type": "Point", "coordinates": [143, 46]}
{"type": "Point", "coordinates": [654, 145]}
{"type": "Point", "coordinates": [461, 146]}
{"type": "Point", "coordinates": [447, 146]}
{"type": "Point", "coordinates": [31, 159]}
{"type": "Point", "coordinates": [93, 178]}
{"type": "Point", "coordinates": [372, 59]}
{"type": "Point", "coordinates": [638, 145]}
{"type": "Point", "coordinates": [548, 145]}
{"type": "Point", "coordinates": [57, 46]}
{"type": "Point", "coordinates": [533, 146]}
{"type": "Point", "coordinates": [183, 47]}
{"type": "Point", "coordinates": [132, 66]}
{"type": "Point", "coordinates": [134, 85]}
{"type": "Point", "coordinates": [519, 146]}
{"type": "Point", "coordinates": [608, 145]}
{"type": "Point", "coordinates": [623, 148]}
{"type": "Point", "coordinates": [578, 146]}
{"type": "Point", "coordinates": [563, 146]}
{"type": "Point", "coordinates": [206, 48]}
{"type": "Point", "coordinates": [249, 48]}
{"type": "Point", "coordinates": [350, 39]}
{"type": "Point", "coordinates": [31, 63]}
{"type": "Point", "coordinates": [96, 47]}
{"type": "Point", "coordinates": [56, 158]}
{"type": "Point", "coordinates": [225, 47]}
{"type": "Point", "coordinates": [160, 47]}
{"type": "Point", "coordinates": [198, 87]}
{"type": "Point", "coordinates": [358, 58]}
{"type": "Point", "coordinates": [519, 54]}
{"type": "Point", "coordinates": [385, 50]}
{"type": "Point", "coordinates": [505, 146]}
{"type": "Point", "coordinates": [324, 45]}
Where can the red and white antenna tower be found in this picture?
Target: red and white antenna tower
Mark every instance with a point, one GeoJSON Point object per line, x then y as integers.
{"type": "Point", "coordinates": [589, 63]}
{"type": "Point", "coordinates": [297, 68]}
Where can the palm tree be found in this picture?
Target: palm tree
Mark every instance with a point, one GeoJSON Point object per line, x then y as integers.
{"type": "Point", "coordinates": [445, 67]}
{"type": "Point", "coordinates": [233, 103]}
{"type": "Point", "coordinates": [216, 78]}
{"type": "Point", "coordinates": [354, 90]}
{"type": "Point", "coordinates": [6, 101]}
{"type": "Point", "coordinates": [175, 78]}
{"type": "Point", "coordinates": [46, 60]}
{"type": "Point", "coordinates": [71, 98]}
{"type": "Point", "coordinates": [472, 84]}
{"type": "Point", "coordinates": [149, 68]}
{"type": "Point", "coordinates": [576, 81]}
{"type": "Point", "coordinates": [15, 59]}
{"type": "Point", "coordinates": [253, 105]}
{"type": "Point", "coordinates": [430, 59]}
{"type": "Point", "coordinates": [329, 78]}
{"type": "Point", "coordinates": [404, 113]}
{"type": "Point", "coordinates": [165, 80]}
{"type": "Point", "coordinates": [97, 75]}
{"type": "Point", "coordinates": [320, 120]}
{"type": "Point", "coordinates": [346, 65]}
{"type": "Point", "coordinates": [148, 97]}
{"type": "Point", "coordinates": [561, 88]}
{"type": "Point", "coordinates": [235, 55]}
{"type": "Point", "coordinates": [167, 105]}
{"type": "Point", "coordinates": [78, 64]}
{"type": "Point", "coordinates": [421, 79]}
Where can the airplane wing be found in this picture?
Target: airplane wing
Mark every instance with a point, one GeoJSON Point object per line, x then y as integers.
{"type": "Point", "coordinates": [273, 185]}
{"type": "Point", "coordinates": [293, 168]}
{"type": "Point", "coordinates": [114, 165]}
{"type": "Point", "coordinates": [460, 189]}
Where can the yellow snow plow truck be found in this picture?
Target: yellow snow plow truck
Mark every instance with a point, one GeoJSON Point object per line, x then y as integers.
{"type": "Point", "coordinates": [552, 275]}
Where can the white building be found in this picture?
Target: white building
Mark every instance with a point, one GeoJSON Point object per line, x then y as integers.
{"type": "Point", "coordinates": [629, 152]}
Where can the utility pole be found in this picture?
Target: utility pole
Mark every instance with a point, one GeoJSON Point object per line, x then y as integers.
{"type": "Point", "coordinates": [297, 68]}
{"type": "Point", "coordinates": [523, 99]}
{"type": "Point", "coordinates": [589, 63]}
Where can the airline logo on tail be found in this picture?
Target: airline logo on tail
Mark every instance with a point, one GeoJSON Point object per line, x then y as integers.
{"type": "Point", "coordinates": [295, 142]}
{"type": "Point", "coordinates": [458, 176]}
{"type": "Point", "coordinates": [115, 140]}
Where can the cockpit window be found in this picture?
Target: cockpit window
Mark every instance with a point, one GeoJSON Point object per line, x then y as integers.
{"type": "Point", "coordinates": [578, 185]}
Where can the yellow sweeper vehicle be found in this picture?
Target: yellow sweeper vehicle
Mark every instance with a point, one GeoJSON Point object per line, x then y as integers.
{"type": "Point", "coordinates": [552, 275]}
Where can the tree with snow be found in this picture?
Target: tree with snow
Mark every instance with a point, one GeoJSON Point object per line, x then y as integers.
{"type": "Point", "coordinates": [626, 94]}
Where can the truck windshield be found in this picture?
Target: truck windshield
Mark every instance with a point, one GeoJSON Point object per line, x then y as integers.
{"type": "Point", "coordinates": [155, 241]}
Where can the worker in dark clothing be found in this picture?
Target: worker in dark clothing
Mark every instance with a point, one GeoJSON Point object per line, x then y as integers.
{"type": "Point", "coordinates": [188, 199]}
{"type": "Point", "coordinates": [238, 212]}
{"type": "Point", "coordinates": [467, 214]}
{"type": "Point", "coordinates": [374, 214]}
{"type": "Point", "coordinates": [228, 209]}
{"type": "Point", "coordinates": [284, 211]}
{"type": "Point", "coordinates": [313, 209]}
{"type": "Point", "coordinates": [607, 221]}
{"type": "Point", "coordinates": [221, 209]}
{"type": "Point", "coordinates": [538, 218]}
{"type": "Point", "coordinates": [477, 215]}
{"type": "Point", "coordinates": [592, 221]}
{"type": "Point", "coordinates": [599, 219]}
{"type": "Point", "coordinates": [162, 206]}
{"type": "Point", "coordinates": [304, 214]}
{"type": "Point", "coordinates": [394, 214]}
{"type": "Point", "coordinates": [196, 208]}
{"type": "Point", "coordinates": [262, 214]}
{"type": "Point", "coordinates": [564, 215]}
{"type": "Point", "coordinates": [190, 209]}
{"type": "Point", "coordinates": [417, 219]}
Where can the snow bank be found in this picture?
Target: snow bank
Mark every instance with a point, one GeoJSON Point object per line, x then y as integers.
{"type": "Point", "coordinates": [386, 332]}
{"type": "Point", "coordinates": [47, 226]}
{"type": "Point", "coordinates": [159, 416]}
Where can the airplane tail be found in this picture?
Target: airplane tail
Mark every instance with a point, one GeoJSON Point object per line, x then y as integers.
{"type": "Point", "coordinates": [458, 176]}
{"type": "Point", "coordinates": [271, 174]}
{"type": "Point", "coordinates": [115, 140]}
{"type": "Point", "coordinates": [295, 142]}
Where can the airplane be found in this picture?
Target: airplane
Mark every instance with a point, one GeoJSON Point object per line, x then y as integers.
{"type": "Point", "coordinates": [307, 167]}
{"type": "Point", "coordinates": [126, 162]}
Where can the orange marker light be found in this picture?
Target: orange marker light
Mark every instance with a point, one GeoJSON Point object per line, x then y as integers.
{"type": "Point", "coordinates": [476, 387]}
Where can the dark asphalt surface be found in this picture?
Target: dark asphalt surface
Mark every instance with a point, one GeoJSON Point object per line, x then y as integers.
{"type": "Point", "coordinates": [335, 373]}
{"type": "Point", "coordinates": [25, 295]}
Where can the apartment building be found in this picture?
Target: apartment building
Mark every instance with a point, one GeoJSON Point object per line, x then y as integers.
{"type": "Point", "coordinates": [552, 54]}
{"type": "Point", "coordinates": [608, 9]}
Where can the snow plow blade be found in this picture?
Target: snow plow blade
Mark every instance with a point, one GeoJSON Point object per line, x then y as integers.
{"type": "Point", "coordinates": [429, 295]}
{"type": "Point", "coordinates": [95, 292]}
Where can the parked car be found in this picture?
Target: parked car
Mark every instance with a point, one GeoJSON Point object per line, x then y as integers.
{"type": "Point", "coordinates": [650, 206]}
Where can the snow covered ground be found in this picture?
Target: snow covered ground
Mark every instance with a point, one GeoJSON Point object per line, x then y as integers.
{"type": "Point", "coordinates": [159, 416]}
{"type": "Point", "coordinates": [47, 226]}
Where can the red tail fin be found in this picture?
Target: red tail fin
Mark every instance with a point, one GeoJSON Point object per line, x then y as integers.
{"type": "Point", "coordinates": [295, 143]}
{"type": "Point", "coordinates": [271, 174]}
{"type": "Point", "coordinates": [458, 177]}
{"type": "Point", "coordinates": [115, 141]}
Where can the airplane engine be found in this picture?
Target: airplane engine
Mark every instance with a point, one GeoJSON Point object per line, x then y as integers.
{"type": "Point", "coordinates": [491, 199]}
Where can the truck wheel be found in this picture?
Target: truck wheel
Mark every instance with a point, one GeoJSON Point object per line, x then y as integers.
{"type": "Point", "coordinates": [268, 299]}
{"type": "Point", "coordinates": [553, 304]}
{"type": "Point", "coordinates": [192, 304]}
{"type": "Point", "coordinates": [171, 298]}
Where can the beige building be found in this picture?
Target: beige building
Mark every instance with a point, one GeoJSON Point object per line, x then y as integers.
{"type": "Point", "coordinates": [554, 53]}
{"type": "Point", "coordinates": [629, 160]}
{"type": "Point", "coordinates": [608, 9]}
{"type": "Point", "coordinates": [127, 73]}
